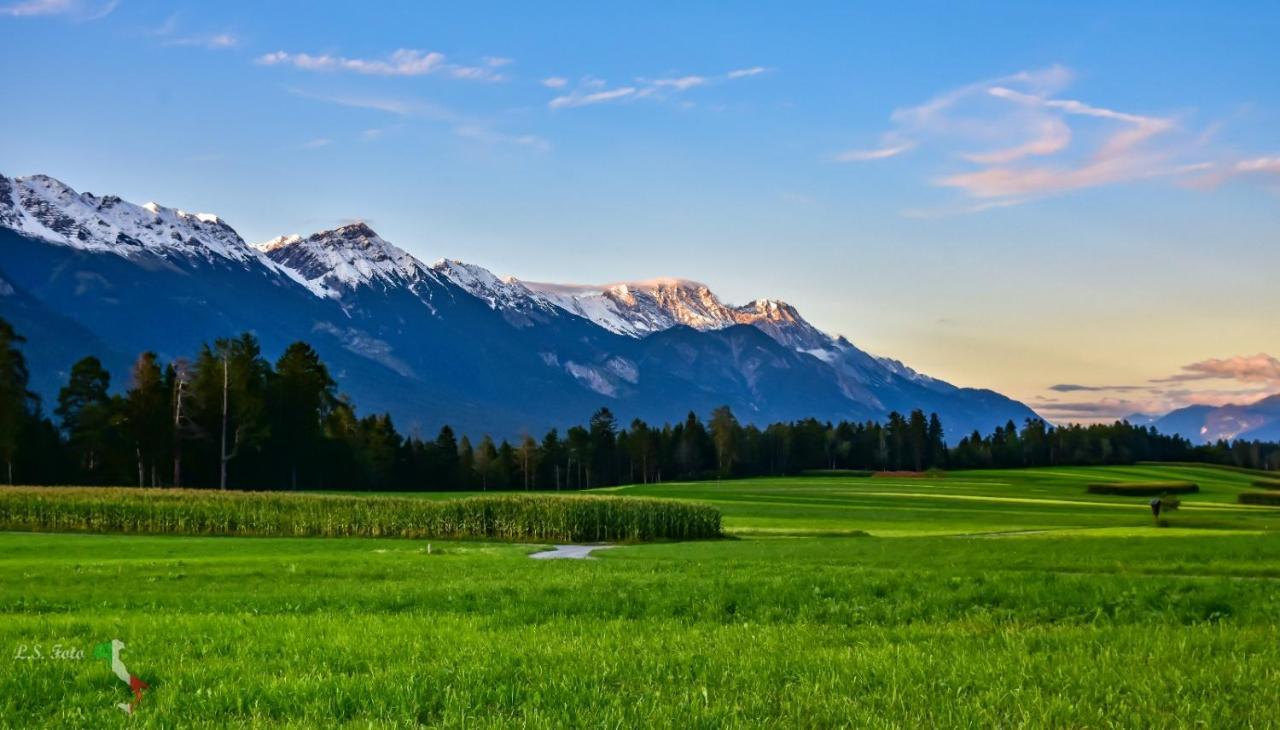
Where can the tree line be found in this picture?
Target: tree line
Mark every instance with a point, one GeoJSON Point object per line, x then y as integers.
{"type": "Point", "coordinates": [230, 418]}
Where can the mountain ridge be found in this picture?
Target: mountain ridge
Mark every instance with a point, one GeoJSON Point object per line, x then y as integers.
{"type": "Point", "coordinates": [450, 341]}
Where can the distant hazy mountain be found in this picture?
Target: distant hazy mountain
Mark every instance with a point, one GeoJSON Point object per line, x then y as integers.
{"type": "Point", "coordinates": [431, 344]}
{"type": "Point", "coordinates": [1204, 424]}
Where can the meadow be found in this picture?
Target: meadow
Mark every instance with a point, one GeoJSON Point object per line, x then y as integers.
{"type": "Point", "coordinates": [971, 599]}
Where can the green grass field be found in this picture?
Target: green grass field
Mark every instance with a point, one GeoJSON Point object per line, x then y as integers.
{"type": "Point", "coordinates": [978, 599]}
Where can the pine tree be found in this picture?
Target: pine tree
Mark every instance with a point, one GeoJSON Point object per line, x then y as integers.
{"type": "Point", "coordinates": [300, 397]}
{"type": "Point", "coordinates": [147, 416]}
{"type": "Point", "coordinates": [85, 411]}
{"type": "Point", "coordinates": [15, 399]}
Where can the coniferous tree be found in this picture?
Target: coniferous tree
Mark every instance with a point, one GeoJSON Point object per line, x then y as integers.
{"type": "Point", "coordinates": [300, 396]}
{"type": "Point", "coordinates": [15, 399]}
{"type": "Point", "coordinates": [147, 416]}
{"type": "Point", "coordinates": [725, 434]}
{"type": "Point", "coordinates": [85, 410]}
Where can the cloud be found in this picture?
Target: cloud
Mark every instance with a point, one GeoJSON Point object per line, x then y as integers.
{"type": "Point", "coordinates": [1059, 144]}
{"type": "Point", "coordinates": [599, 97]}
{"type": "Point", "coordinates": [881, 153]}
{"type": "Point", "coordinates": [1260, 368]}
{"type": "Point", "coordinates": [403, 62]}
{"type": "Point", "coordinates": [214, 41]}
{"type": "Point", "coordinates": [487, 135]}
{"type": "Point", "coordinates": [74, 9]}
{"type": "Point", "coordinates": [681, 84]}
{"type": "Point", "coordinates": [1054, 136]}
{"type": "Point", "coordinates": [390, 105]}
{"type": "Point", "coordinates": [1260, 373]}
{"type": "Point", "coordinates": [591, 90]}
{"type": "Point", "coordinates": [316, 143]}
{"type": "Point", "coordinates": [1074, 388]}
{"type": "Point", "coordinates": [1258, 164]}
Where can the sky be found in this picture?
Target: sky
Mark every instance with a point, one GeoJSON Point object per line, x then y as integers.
{"type": "Point", "coordinates": [1077, 204]}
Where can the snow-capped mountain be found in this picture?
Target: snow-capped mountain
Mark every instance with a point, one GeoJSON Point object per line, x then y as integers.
{"type": "Point", "coordinates": [44, 208]}
{"type": "Point", "coordinates": [344, 259]}
{"type": "Point", "coordinates": [521, 306]}
{"type": "Point", "coordinates": [446, 343]}
{"type": "Point", "coordinates": [1207, 424]}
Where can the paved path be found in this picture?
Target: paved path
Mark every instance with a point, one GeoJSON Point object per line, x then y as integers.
{"type": "Point", "coordinates": [574, 552]}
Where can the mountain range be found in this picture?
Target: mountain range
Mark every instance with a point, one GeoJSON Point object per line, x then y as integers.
{"type": "Point", "coordinates": [431, 344]}
{"type": "Point", "coordinates": [1200, 424]}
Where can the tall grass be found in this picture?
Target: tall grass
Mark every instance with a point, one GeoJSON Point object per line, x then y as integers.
{"type": "Point", "coordinates": [1143, 489]}
{"type": "Point", "coordinates": [502, 517]}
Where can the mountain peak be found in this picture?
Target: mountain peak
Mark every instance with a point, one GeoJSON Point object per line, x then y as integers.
{"type": "Point", "coordinates": [44, 207]}
{"type": "Point", "coordinates": [345, 258]}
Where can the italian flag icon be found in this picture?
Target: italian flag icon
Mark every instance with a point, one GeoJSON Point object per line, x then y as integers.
{"type": "Point", "coordinates": [110, 652]}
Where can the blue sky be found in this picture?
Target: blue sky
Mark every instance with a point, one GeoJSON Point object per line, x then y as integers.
{"type": "Point", "coordinates": [1012, 196]}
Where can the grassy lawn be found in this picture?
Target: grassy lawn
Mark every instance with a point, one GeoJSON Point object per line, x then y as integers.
{"type": "Point", "coordinates": [941, 617]}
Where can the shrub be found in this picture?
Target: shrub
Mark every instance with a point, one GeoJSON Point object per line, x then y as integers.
{"type": "Point", "coordinates": [1269, 484]}
{"type": "Point", "coordinates": [1269, 499]}
{"type": "Point", "coordinates": [585, 518]}
{"type": "Point", "coordinates": [835, 473]}
{"type": "Point", "coordinates": [1143, 489]}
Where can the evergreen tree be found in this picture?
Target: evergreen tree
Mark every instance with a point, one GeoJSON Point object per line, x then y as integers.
{"type": "Point", "coordinates": [86, 414]}
{"type": "Point", "coordinates": [725, 434]}
{"type": "Point", "coordinates": [300, 397]}
{"type": "Point", "coordinates": [147, 417]}
{"type": "Point", "coordinates": [15, 399]}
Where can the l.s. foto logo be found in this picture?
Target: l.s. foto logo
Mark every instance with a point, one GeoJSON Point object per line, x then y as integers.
{"type": "Point", "coordinates": [110, 652]}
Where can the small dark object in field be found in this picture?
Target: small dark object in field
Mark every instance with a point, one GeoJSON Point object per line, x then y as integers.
{"type": "Point", "coordinates": [1155, 508]}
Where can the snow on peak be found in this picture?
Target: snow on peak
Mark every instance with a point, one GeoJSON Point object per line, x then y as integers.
{"type": "Point", "coordinates": [508, 295]}
{"type": "Point", "coordinates": [44, 207]}
{"type": "Point", "coordinates": [344, 258]}
{"type": "Point", "coordinates": [640, 308]}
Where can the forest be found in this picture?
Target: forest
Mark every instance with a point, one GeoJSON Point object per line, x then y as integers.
{"type": "Point", "coordinates": [230, 418]}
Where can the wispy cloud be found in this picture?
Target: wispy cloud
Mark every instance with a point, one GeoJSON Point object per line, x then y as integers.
{"type": "Point", "coordinates": [73, 9]}
{"type": "Point", "coordinates": [488, 135]}
{"type": "Point", "coordinates": [591, 90]}
{"type": "Point", "coordinates": [475, 130]}
{"type": "Point", "coordinates": [315, 144]}
{"type": "Point", "coordinates": [1260, 368]}
{"type": "Point", "coordinates": [1075, 388]}
{"type": "Point", "coordinates": [1260, 374]}
{"type": "Point", "coordinates": [169, 34]}
{"type": "Point", "coordinates": [1059, 143]}
{"type": "Point", "coordinates": [212, 41]}
{"type": "Point", "coordinates": [879, 153]}
{"type": "Point", "coordinates": [586, 99]}
{"type": "Point", "coordinates": [391, 105]}
{"type": "Point", "coordinates": [403, 62]}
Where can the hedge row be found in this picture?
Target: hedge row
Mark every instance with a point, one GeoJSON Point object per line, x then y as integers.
{"type": "Point", "coordinates": [1143, 489]}
{"type": "Point", "coordinates": [1273, 484]}
{"type": "Point", "coordinates": [836, 473]}
{"type": "Point", "coordinates": [570, 518]}
{"type": "Point", "coordinates": [1269, 499]}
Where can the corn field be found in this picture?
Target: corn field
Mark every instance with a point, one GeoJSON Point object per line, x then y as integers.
{"type": "Point", "coordinates": [570, 518]}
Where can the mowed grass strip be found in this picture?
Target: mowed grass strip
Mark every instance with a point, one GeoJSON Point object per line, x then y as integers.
{"type": "Point", "coordinates": [540, 517]}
